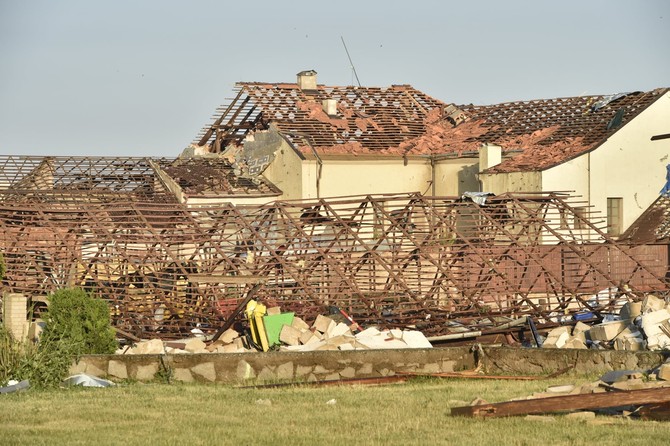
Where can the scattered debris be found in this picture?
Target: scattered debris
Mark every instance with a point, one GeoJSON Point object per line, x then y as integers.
{"type": "Point", "coordinates": [374, 381]}
{"type": "Point", "coordinates": [14, 386]}
{"type": "Point", "coordinates": [82, 379]}
{"type": "Point", "coordinates": [645, 394]}
{"type": "Point", "coordinates": [638, 325]}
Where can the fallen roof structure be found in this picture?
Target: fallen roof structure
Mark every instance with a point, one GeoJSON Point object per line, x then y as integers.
{"type": "Point", "coordinates": [325, 119]}
{"type": "Point", "coordinates": [440, 264]}
{"type": "Point", "coordinates": [536, 134]}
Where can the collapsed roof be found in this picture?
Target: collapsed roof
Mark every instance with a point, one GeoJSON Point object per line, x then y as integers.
{"type": "Point", "coordinates": [358, 120]}
{"type": "Point", "coordinates": [401, 121]}
{"type": "Point", "coordinates": [56, 179]}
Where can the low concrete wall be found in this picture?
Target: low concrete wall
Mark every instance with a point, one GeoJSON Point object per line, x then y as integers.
{"type": "Point", "coordinates": [329, 365]}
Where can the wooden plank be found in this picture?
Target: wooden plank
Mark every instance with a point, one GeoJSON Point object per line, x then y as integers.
{"type": "Point", "coordinates": [473, 375]}
{"type": "Point", "coordinates": [566, 403]}
{"type": "Point", "coordinates": [228, 280]}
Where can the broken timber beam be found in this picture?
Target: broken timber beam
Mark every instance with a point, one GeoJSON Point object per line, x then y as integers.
{"type": "Point", "coordinates": [566, 403]}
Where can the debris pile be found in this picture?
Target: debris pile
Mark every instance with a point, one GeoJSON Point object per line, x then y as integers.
{"type": "Point", "coordinates": [270, 329]}
{"type": "Point", "coordinates": [623, 393]}
{"type": "Point", "coordinates": [638, 326]}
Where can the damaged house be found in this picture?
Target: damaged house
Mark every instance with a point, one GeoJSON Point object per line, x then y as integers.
{"type": "Point", "coordinates": [315, 141]}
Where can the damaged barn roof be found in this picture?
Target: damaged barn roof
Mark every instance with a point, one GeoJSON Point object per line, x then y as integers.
{"type": "Point", "coordinates": [547, 132]}
{"type": "Point", "coordinates": [332, 120]}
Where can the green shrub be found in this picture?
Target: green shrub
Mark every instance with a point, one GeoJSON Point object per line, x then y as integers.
{"type": "Point", "coordinates": [10, 355]}
{"type": "Point", "coordinates": [79, 321]}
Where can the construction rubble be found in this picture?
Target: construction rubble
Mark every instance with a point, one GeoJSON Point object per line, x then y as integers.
{"type": "Point", "coordinates": [270, 329]}
{"type": "Point", "coordinates": [624, 393]}
{"type": "Point", "coordinates": [639, 325]}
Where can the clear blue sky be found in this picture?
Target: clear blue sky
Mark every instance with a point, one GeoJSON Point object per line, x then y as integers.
{"type": "Point", "coordinates": [122, 77]}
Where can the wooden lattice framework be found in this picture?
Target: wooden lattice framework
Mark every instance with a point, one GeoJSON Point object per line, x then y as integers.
{"type": "Point", "coordinates": [440, 264]}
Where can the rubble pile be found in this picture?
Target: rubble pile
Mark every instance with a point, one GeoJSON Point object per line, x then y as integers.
{"type": "Point", "coordinates": [324, 334]}
{"type": "Point", "coordinates": [638, 326]}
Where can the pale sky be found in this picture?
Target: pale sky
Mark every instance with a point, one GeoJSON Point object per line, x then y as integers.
{"type": "Point", "coordinates": [135, 78]}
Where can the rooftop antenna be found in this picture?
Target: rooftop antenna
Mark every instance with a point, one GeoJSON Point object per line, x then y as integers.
{"type": "Point", "coordinates": [353, 68]}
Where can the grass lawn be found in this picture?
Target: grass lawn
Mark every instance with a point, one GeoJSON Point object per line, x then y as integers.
{"type": "Point", "coordinates": [416, 412]}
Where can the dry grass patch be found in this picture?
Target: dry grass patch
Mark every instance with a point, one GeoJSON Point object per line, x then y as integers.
{"type": "Point", "coordinates": [417, 412]}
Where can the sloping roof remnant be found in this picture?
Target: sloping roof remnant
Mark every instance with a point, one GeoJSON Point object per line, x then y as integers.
{"type": "Point", "coordinates": [215, 176]}
{"type": "Point", "coordinates": [400, 120]}
{"type": "Point", "coordinates": [85, 179]}
{"type": "Point", "coordinates": [368, 120]}
{"type": "Point", "coordinates": [548, 132]}
{"type": "Point", "coordinates": [65, 180]}
{"type": "Point", "coordinates": [653, 226]}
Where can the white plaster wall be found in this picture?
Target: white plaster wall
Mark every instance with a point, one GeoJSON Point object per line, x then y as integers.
{"type": "Point", "coordinates": [571, 176]}
{"type": "Point", "coordinates": [285, 172]}
{"type": "Point", "coordinates": [511, 182]}
{"type": "Point", "coordinates": [363, 177]}
{"type": "Point", "coordinates": [630, 165]}
{"type": "Point", "coordinates": [453, 177]}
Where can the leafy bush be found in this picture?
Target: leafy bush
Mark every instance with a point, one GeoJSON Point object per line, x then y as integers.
{"type": "Point", "coordinates": [11, 353]}
{"type": "Point", "coordinates": [76, 324]}
{"type": "Point", "coordinates": [80, 321]}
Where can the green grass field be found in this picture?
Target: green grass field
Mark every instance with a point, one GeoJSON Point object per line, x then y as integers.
{"type": "Point", "coordinates": [417, 412]}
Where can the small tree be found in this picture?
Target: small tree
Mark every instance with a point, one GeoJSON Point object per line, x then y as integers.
{"type": "Point", "coordinates": [80, 321]}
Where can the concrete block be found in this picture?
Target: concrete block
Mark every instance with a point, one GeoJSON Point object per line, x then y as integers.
{"type": "Point", "coordinates": [299, 324]}
{"type": "Point", "coordinates": [146, 372]}
{"type": "Point", "coordinates": [415, 339]}
{"type": "Point", "coordinates": [117, 369]}
{"type": "Point", "coordinates": [289, 335]}
{"type": "Point", "coordinates": [228, 348]}
{"type": "Point", "coordinates": [652, 303]}
{"type": "Point", "coordinates": [346, 347]}
{"type": "Point", "coordinates": [559, 331]}
{"type": "Point", "coordinates": [322, 323]}
{"type": "Point", "coordinates": [229, 336]}
{"type": "Point", "coordinates": [557, 340]}
{"type": "Point", "coordinates": [183, 375]}
{"type": "Point", "coordinates": [273, 310]}
{"type": "Point", "coordinates": [195, 345]}
{"type": "Point", "coordinates": [575, 342]}
{"type": "Point", "coordinates": [206, 370]}
{"type": "Point", "coordinates": [340, 330]}
{"type": "Point", "coordinates": [608, 330]}
{"type": "Point", "coordinates": [664, 372]}
{"type": "Point", "coordinates": [152, 347]}
{"type": "Point", "coordinates": [580, 327]}
{"type": "Point", "coordinates": [630, 310]}
{"type": "Point", "coordinates": [651, 321]}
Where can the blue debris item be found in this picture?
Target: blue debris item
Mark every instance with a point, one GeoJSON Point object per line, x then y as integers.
{"type": "Point", "coordinates": [583, 316]}
{"type": "Point", "coordinates": [607, 99]}
{"type": "Point", "coordinates": [666, 188]}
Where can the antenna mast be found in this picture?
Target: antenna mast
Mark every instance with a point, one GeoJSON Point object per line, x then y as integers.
{"type": "Point", "coordinates": [353, 68]}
